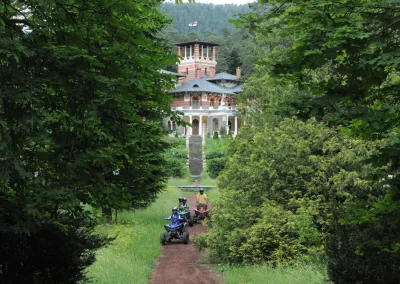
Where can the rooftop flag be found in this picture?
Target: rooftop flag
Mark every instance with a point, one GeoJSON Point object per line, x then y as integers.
{"type": "Point", "coordinates": [193, 24]}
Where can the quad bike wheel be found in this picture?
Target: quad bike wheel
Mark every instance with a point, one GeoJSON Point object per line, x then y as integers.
{"type": "Point", "coordinates": [191, 221]}
{"type": "Point", "coordinates": [185, 237]}
{"type": "Point", "coordinates": [163, 238]}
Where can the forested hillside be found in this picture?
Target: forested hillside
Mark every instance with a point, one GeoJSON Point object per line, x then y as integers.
{"type": "Point", "coordinates": [208, 16]}
{"type": "Point", "coordinates": [237, 48]}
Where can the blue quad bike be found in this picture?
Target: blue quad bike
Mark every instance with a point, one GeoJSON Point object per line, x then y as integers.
{"type": "Point", "coordinates": [175, 231]}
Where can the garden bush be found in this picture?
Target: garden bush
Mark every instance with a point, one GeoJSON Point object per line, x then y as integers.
{"type": "Point", "coordinates": [215, 136]}
{"type": "Point", "coordinates": [279, 186]}
{"type": "Point", "coordinates": [369, 266]}
{"type": "Point", "coordinates": [214, 154]}
{"type": "Point", "coordinates": [215, 166]}
{"type": "Point", "coordinates": [176, 157]}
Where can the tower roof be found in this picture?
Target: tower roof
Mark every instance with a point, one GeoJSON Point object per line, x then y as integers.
{"type": "Point", "coordinates": [201, 85]}
{"type": "Point", "coordinates": [197, 42]}
{"type": "Point", "coordinates": [223, 76]}
{"type": "Point", "coordinates": [171, 73]}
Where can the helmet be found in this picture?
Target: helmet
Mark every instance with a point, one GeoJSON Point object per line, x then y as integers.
{"type": "Point", "coordinates": [184, 199]}
{"type": "Point", "coordinates": [201, 189]}
{"type": "Point", "coordinates": [180, 199]}
{"type": "Point", "coordinates": [174, 209]}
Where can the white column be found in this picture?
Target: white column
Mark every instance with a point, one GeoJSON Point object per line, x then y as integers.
{"type": "Point", "coordinates": [201, 126]}
{"type": "Point", "coordinates": [236, 126]}
{"type": "Point", "coordinates": [185, 52]}
{"type": "Point", "coordinates": [191, 128]}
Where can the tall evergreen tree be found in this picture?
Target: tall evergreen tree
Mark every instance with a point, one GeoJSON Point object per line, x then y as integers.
{"type": "Point", "coordinates": [80, 97]}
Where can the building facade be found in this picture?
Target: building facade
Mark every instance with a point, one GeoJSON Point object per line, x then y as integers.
{"type": "Point", "coordinates": [207, 99]}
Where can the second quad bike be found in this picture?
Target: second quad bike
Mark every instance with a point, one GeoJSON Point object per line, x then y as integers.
{"type": "Point", "coordinates": [184, 211]}
{"type": "Point", "coordinates": [201, 212]}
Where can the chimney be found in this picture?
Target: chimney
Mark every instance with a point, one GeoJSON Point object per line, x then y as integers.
{"type": "Point", "coordinates": [213, 54]}
{"type": "Point", "coordinates": [212, 72]}
{"type": "Point", "coordinates": [196, 50]}
{"type": "Point", "coordinates": [238, 72]}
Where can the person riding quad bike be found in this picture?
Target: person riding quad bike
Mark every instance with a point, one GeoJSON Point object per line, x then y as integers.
{"type": "Point", "coordinates": [180, 201]}
{"type": "Point", "coordinates": [175, 217]}
{"type": "Point", "coordinates": [202, 200]}
{"type": "Point", "coordinates": [184, 211]}
{"type": "Point", "coordinates": [201, 211]}
{"type": "Point", "coordinates": [176, 229]}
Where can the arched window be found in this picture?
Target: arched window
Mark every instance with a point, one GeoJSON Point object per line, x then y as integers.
{"type": "Point", "coordinates": [195, 101]}
{"type": "Point", "coordinates": [173, 125]}
{"type": "Point", "coordinates": [212, 101]}
{"type": "Point", "coordinates": [169, 128]}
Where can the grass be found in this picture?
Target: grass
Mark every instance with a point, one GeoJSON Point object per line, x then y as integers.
{"type": "Point", "coordinates": [212, 145]}
{"type": "Point", "coordinates": [206, 180]}
{"type": "Point", "coordinates": [255, 274]}
{"type": "Point", "coordinates": [174, 182]}
{"type": "Point", "coordinates": [130, 259]}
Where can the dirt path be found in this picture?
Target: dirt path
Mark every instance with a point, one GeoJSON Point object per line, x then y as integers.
{"type": "Point", "coordinates": [177, 262]}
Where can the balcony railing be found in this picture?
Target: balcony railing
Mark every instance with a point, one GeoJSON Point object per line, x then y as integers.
{"type": "Point", "coordinates": [206, 108]}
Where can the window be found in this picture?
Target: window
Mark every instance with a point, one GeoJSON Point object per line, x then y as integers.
{"type": "Point", "coordinates": [195, 101]}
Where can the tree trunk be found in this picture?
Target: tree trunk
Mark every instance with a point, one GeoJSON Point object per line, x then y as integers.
{"type": "Point", "coordinates": [107, 214]}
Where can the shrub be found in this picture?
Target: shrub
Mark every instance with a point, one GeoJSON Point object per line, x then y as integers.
{"type": "Point", "coordinates": [302, 167]}
{"type": "Point", "coordinates": [176, 157]}
{"type": "Point", "coordinates": [373, 266]}
{"type": "Point", "coordinates": [215, 136]}
{"type": "Point", "coordinates": [215, 166]}
{"type": "Point", "coordinates": [215, 154]}
{"type": "Point", "coordinates": [278, 236]}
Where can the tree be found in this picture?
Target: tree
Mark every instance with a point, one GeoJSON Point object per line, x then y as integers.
{"type": "Point", "coordinates": [233, 61]}
{"type": "Point", "coordinates": [80, 102]}
{"type": "Point", "coordinates": [346, 54]}
{"type": "Point", "coordinates": [338, 62]}
{"type": "Point", "coordinates": [289, 178]}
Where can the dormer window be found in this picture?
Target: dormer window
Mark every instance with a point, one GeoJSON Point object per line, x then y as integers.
{"type": "Point", "coordinates": [195, 86]}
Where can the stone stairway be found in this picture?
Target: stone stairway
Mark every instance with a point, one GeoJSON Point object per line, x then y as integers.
{"type": "Point", "coordinates": [195, 156]}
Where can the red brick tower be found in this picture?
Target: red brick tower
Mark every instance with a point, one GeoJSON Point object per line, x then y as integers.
{"type": "Point", "coordinates": [198, 59]}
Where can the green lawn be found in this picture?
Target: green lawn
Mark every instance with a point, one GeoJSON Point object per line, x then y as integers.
{"type": "Point", "coordinates": [130, 259]}
{"type": "Point", "coordinates": [263, 274]}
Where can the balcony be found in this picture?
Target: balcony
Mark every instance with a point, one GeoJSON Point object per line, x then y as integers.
{"type": "Point", "coordinates": [205, 108]}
